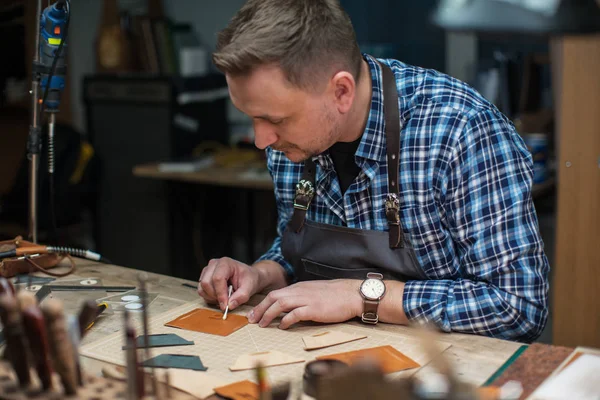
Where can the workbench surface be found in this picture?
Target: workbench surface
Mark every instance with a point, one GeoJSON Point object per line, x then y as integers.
{"type": "Point", "coordinates": [475, 358]}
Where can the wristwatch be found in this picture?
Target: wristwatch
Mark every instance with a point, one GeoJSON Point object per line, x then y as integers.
{"type": "Point", "coordinates": [372, 290]}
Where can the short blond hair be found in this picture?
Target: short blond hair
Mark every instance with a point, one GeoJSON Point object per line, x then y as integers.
{"type": "Point", "coordinates": [308, 39]}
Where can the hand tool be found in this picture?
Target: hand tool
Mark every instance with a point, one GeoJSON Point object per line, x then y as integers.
{"type": "Point", "coordinates": [61, 347]}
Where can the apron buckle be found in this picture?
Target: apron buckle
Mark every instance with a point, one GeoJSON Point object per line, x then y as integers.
{"type": "Point", "coordinates": [392, 209]}
{"type": "Point", "coordinates": [305, 192]}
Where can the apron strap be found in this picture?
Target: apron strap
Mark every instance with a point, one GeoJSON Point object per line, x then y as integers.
{"type": "Point", "coordinates": [392, 136]}
{"type": "Point", "coordinates": [305, 191]}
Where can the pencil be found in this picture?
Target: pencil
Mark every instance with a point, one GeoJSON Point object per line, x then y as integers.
{"type": "Point", "coordinates": [228, 296]}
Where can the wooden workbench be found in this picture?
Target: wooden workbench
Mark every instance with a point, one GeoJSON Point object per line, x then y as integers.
{"type": "Point", "coordinates": [476, 358]}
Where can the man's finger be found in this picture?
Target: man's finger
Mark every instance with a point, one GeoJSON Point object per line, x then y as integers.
{"type": "Point", "coordinates": [220, 278]}
{"type": "Point", "coordinates": [207, 282]}
{"type": "Point", "coordinates": [295, 316]}
{"type": "Point", "coordinates": [206, 270]}
{"type": "Point", "coordinates": [283, 304]}
{"type": "Point", "coordinates": [240, 296]}
{"type": "Point", "coordinates": [206, 289]}
{"type": "Point", "coordinates": [257, 312]}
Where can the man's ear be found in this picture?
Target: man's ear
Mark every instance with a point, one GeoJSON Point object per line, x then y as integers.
{"type": "Point", "coordinates": [344, 89]}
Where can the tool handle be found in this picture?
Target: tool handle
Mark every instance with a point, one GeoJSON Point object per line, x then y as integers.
{"type": "Point", "coordinates": [16, 346]}
{"type": "Point", "coordinates": [35, 329]}
{"type": "Point", "coordinates": [23, 251]}
{"type": "Point", "coordinates": [6, 286]}
{"type": "Point", "coordinates": [61, 347]}
{"type": "Point", "coordinates": [87, 315]}
{"type": "Point", "coordinates": [135, 374]}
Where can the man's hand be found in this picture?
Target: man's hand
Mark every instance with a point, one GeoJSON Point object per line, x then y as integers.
{"type": "Point", "coordinates": [320, 301]}
{"type": "Point", "coordinates": [246, 280]}
{"type": "Point", "coordinates": [221, 272]}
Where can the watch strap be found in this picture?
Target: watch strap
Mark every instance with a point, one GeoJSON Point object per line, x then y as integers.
{"type": "Point", "coordinates": [369, 314]}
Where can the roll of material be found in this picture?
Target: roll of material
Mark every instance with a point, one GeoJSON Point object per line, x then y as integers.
{"type": "Point", "coordinates": [314, 371]}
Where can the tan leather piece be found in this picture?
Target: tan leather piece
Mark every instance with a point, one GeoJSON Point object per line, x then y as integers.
{"type": "Point", "coordinates": [244, 390]}
{"type": "Point", "coordinates": [389, 359]}
{"type": "Point", "coordinates": [209, 321]}
{"type": "Point", "coordinates": [329, 338]}
{"type": "Point", "coordinates": [264, 358]}
{"type": "Point", "coordinates": [196, 383]}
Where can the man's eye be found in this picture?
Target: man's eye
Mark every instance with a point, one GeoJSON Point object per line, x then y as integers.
{"type": "Point", "coordinates": [276, 122]}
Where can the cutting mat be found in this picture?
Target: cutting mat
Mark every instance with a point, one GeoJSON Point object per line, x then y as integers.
{"type": "Point", "coordinates": [218, 353]}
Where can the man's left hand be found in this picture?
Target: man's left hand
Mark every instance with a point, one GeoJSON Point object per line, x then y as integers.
{"type": "Point", "coordinates": [320, 301]}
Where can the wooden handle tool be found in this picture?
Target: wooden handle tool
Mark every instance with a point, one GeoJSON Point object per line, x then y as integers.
{"type": "Point", "coordinates": [61, 347]}
{"type": "Point", "coordinates": [35, 331]}
{"type": "Point", "coordinates": [6, 287]}
{"type": "Point", "coordinates": [87, 315]}
{"type": "Point", "coordinates": [135, 375]}
{"type": "Point", "coordinates": [17, 350]}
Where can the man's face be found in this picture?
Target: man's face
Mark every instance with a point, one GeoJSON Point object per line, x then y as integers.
{"type": "Point", "coordinates": [299, 123]}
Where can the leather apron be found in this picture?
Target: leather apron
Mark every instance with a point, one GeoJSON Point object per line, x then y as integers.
{"type": "Point", "coordinates": [322, 251]}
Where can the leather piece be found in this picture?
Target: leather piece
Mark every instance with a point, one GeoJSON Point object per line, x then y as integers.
{"type": "Point", "coordinates": [390, 359]}
{"type": "Point", "coordinates": [329, 338]}
{"type": "Point", "coordinates": [175, 361]}
{"type": "Point", "coordinates": [197, 383]}
{"type": "Point", "coordinates": [265, 358]}
{"type": "Point", "coordinates": [244, 390]}
{"type": "Point", "coordinates": [209, 321]}
{"type": "Point", "coordinates": [534, 366]}
{"type": "Point", "coordinates": [161, 340]}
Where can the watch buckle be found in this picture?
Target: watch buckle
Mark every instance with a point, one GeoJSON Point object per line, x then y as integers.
{"type": "Point", "coordinates": [370, 318]}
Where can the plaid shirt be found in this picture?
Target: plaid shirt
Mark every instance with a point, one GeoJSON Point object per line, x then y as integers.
{"type": "Point", "coordinates": [466, 206]}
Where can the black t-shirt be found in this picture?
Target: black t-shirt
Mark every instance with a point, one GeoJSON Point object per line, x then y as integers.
{"type": "Point", "coordinates": [342, 155]}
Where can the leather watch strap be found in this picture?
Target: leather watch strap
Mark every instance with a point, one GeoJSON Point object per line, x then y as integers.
{"type": "Point", "coordinates": [370, 315]}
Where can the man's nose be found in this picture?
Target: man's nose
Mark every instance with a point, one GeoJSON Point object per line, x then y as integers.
{"type": "Point", "coordinates": [264, 135]}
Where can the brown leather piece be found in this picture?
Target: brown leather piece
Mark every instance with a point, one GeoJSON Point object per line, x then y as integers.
{"type": "Point", "coordinates": [244, 390]}
{"type": "Point", "coordinates": [389, 359]}
{"type": "Point", "coordinates": [534, 366]}
{"type": "Point", "coordinates": [209, 321]}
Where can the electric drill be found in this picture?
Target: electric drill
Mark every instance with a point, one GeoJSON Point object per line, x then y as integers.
{"type": "Point", "coordinates": [53, 31]}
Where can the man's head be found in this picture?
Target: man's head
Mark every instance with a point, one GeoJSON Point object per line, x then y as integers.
{"type": "Point", "coordinates": [293, 67]}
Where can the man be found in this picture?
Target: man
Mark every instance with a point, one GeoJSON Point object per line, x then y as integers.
{"type": "Point", "coordinates": [403, 195]}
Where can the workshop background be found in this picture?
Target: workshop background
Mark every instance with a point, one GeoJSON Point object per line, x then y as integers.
{"type": "Point", "coordinates": [157, 171]}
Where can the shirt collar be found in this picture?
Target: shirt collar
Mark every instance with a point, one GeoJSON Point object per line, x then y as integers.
{"type": "Point", "coordinates": [372, 144]}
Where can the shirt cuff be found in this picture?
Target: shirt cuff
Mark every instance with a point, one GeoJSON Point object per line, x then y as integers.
{"type": "Point", "coordinates": [426, 302]}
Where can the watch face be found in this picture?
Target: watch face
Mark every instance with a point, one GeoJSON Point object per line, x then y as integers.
{"type": "Point", "coordinates": [372, 288]}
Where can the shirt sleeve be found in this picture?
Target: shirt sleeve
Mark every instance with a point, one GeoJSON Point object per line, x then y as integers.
{"type": "Point", "coordinates": [283, 217]}
{"type": "Point", "coordinates": [502, 290]}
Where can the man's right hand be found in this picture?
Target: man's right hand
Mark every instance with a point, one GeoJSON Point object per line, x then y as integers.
{"type": "Point", "coordinates": [221, 272]}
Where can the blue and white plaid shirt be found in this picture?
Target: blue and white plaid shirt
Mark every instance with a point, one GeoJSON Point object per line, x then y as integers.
{"type": "Point", "coordinates": [466, 206]}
